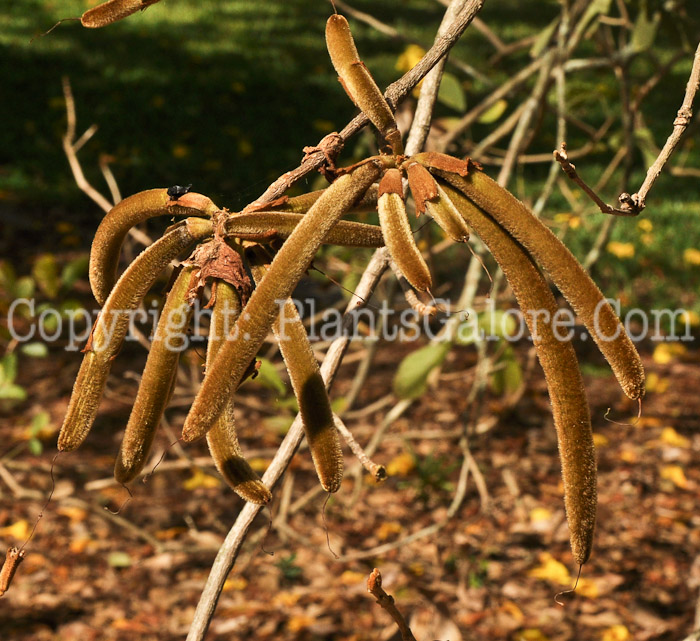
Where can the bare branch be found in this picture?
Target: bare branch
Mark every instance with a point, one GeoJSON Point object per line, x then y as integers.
{"type": "Point", "coordinates": [374, 587]}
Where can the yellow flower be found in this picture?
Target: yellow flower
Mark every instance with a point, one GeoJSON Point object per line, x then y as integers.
{"type": "Point", "coordinates": [621, 250]}
{"type": "Point", "coordinates": [409, 58]}
{"type": "Point", "coordinates": [692, 256]}
{"type": "Point", "coordinates": [645, 225]}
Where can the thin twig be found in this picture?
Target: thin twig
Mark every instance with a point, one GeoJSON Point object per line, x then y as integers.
{"type": "Point", "coordinates": [374, 587]}
{"type": "Point", "coordinates": [376, 470]}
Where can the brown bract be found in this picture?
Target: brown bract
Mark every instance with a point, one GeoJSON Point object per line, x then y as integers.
{"type": "Point", "coordinates": [422, 184]}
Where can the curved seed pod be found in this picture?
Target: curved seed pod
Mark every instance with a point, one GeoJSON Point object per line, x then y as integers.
{"type": "Point", "coordinates": [398, 234]}
{"type": "Point", "coordinates": [358, 81]}
{"type": "Point", "coordinates": [310, 391]}
{"type": "Point", "coordinates": [222, 438]}
{"type": "Point", "coordinates": [13, 558]}
{"type": "Point", "coordinates": [259, 224]}
{"type": "Point", "coordinates": [157, 380]}
{"type": "Point", "coordinates": [112, 11]}
{"type": "Point", "coordinates": [286, 269]}
{"type": "Point", "coordinates": [104, 253]}
{"type": "Point", "coordinates": [301, 204]}
{"type": "Point", "coordinates": [566, 392]}
{"type": "Point", "coordinates": [567, 273]}
{"type": "Point", "coordinates": [446, 215]}
{"type": "Point", "coordinates": [111, 326]}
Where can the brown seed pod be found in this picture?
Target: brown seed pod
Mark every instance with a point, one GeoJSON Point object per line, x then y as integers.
{"type": "Point", "coordinates": [262, 225]}
{"type": "Point", "coordinates": [358, 81]}
{"type": "Point", "coordinates": [106, 246]}
{"type": "Point", "coordinates": [111, 326]}
{"type": "Point", "coordinates": [112, 11]}
{"type": "Point", "coordinates": [422, 185]}
{"type": "Point", "coordinates": [222, 438]}
{"type": "Point", "coordinates": [288, 266]}
{"type": "Point", "coordinates": [157, 380]}
{"type": "Point", "coordinates": [566, 392]}
{"type": "Point", "coordinates": [567, 273]}
{"type": "Point", "coordinates": [397, 231]}
{"type": "Point", "coordinates": [13, 558]}
{"type": "Point", "coordinates": [446, 215]}
{"type": "Point", "coordinates": [309, 389]}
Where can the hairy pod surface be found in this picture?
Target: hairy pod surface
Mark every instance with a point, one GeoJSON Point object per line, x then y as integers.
{"type": "Point", "coordinates": [358, 81]}
{"type": "Point", "coordinates": [13, 558]}
{"type": "Point", "coordinates": [445, 214]}
{"type": "Point", "coordinates": [112, 11]}
{"type": "Point", "coordinates": [558, 360]}
{"type": "Point", "coordinates": [310, 391]}
{"type": "Point", "coordinates": [286, 269]}
{"type": "Point", "coordinates": [157, 380]}
{"type": "Point", "coordinates": [274, 225]}
{"type": "Point", "coordinates": [567, 273]}
{"type": "Point", "coordinates": [398, 234]}
{"type": "Point", "coordinates": [222, 438]}
{"type": "Point", "coordinates": [112, 324]}
{"type": "Point", "coordinates": [106, 246]}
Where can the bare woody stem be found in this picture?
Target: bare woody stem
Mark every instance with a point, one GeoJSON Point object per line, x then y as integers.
{"type": "Point", "coordinates": [374, 587]}
{"type": "Point", "coordinates": [632, 205]}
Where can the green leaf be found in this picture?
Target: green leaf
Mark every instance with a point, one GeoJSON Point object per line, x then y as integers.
{"type": "Point", "coordinates": [40, 422]}
{"type": "Point", "coordinates": [543, 38]}
{"type": "Point", "coordinates": [269, 377]}
{"type": "Point", "coordinates": [119, 559]}
{"type": "Point", "coordinates": [7, 276]}
{"type": "Point", "coordinates": [644, 32]}
{"type": "Point", "coordinates": [74, 270]}
{"type": "Point", "coordinates": [508, 378]}
{"type": "Point", "coordinates": [24, 288]}
{"type": "Point", "coordinates": [451, 93]}
{"type": "Point", "coordinates": [12, 392]}
{"type": "Point", "coordinates": [45, 272]}
{"type": "Point", "coordinates": [411, 378]}
{"type": "Point", "coordinates": [494, 112]}
{"type": "Point", "coordinates": [35, 350]}
{"type": "Point", "coordinates": [8, 368]}
{"type": "Point", "coordinates": [35, 446]}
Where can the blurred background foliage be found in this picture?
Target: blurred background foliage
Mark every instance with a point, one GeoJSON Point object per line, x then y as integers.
{"type": "Point", "coordinates": [224, 94]}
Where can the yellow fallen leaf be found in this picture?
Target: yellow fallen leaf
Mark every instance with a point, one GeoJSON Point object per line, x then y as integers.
{"type": "Point", "coordinates": [691, 256]}
{"type": "Point", "coordinates": [18, 530]}
{"type": "Point", "coordinates": [286, 599]}
{"type": "Point", "coordinates": [673, 438]}
{"type": "Point", "coordinates": [621, 250]}
{"type": "Point", "coordinates": [587, 588]}
{"type": "Point", "coordinates": [235, 583]}
{"type": "Point", "coordinates": [388, 529]}
{"type": "Point", "coordinates": [352, 578]}
{"type": "Point", "coordinates": [75, 514]}
{"type": "Point", "coordinates": [530, 634]}
{"type": "Point", "coordinates": [600, 440]}
{"type": "Point", "coordinates": [513, 611]}
{"type": "Point", "coordinates": [664, 353]}
{"type": "Point", "coordinates": [628, 456]}
{"type": "Point", "coordinates": [540, 515]}
{"type": "Point", "coordinates": [675, 474]}
{"type": "Point", "coordinates": [417, 569]}
{"type": "Point", "coordinates": [78, 546]}
{"type": "Point", "coordinates": [401, 465]}
{"type": "Point", "coordinates": [409, 58]}
{"type": "Point", "coordinates": [200, 479]}
{"type": "Point", "coordinates": [551, 570]}
{"type": "Point", "coordinates": [616, 633]}
{"type": "Point", "coordinates": [300, 622]}
{"type": "Point", "coordinates": [170, 533]}
{"type": "Point", "coordinates": [657, 384]}
{"type": "Point", "coordinates": [259, 464]}
{"type": "Point", "coordinates": [645, 225]}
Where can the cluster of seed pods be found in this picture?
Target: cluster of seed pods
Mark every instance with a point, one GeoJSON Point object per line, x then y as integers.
{"type": "Point", "coordinates": [230, 246]}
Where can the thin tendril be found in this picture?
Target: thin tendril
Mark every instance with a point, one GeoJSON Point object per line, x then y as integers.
{"type": "Point", "coordinates": [46, 33]}
{"type": "Point", "coordinates": [633, 423]}
{"type": "Point", "coordinates": [48, 500]}
{"type": "Point", "coordinates": [560, 594]}
{"type": "Point", "coordinates": [325, 526]}
{"type": "Point", "coordinates": [269, 529]}
{"type": "Point", "coordinates": [123, 505]}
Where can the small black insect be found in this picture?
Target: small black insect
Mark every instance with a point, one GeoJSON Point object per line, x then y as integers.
{"type": "Point", "coordinates": [178, 190]}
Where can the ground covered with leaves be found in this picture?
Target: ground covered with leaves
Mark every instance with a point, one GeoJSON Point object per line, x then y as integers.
{"type": "Point", "coordinates": [490, 572]}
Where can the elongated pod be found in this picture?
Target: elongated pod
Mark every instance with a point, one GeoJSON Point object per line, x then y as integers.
{"type": "Point", "coordinates": [222, 438]}
{"type": "Point", "coordinates": [104, 253]}
{"type": "Point", "coordinates": [566, 392]}
{"type": "Point", "coordinates": [301, 204]}
{"type": "Point", "coordinates": [274, 225]}
{"type": "Point", "coordinates": [358, 81]}
{"type": "Point", "coordinates": [286, 269]}
{"type": "Point", "coordinates": [111, 326]}
{"type": "Point", "coordinates": [157, 380]}
{"type": "Point", "coordinates": [112, 11]}
{"type": "Point", "coordinates": [13, 558]}
{"type": "Point", "coordinates": [397, 231]}
{"type": "Point", "coordinates": [310, 391]}
{"type": "Point", "coordinates": [567, 273]}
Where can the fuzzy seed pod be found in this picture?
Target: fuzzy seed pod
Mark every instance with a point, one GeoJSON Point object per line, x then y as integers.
{"type": "Point", "coordinates": [310, 391]}
{"type": "Point", "coordinates": [106, 246]}
{"type": "Point", "coordinates": [13, 558]}
{"type": "Point", "coordinates": [288, 266]}
{"type": "Point", "coordinates": [301, 204]}
{"type": "Point", "coordinates": [112, 11]}
{"type": "Point", "coordinates": [398, 235]}
{"type": "Point", "coordinates": [222, 438]}
{"type": "Point", "coordinates": [572, 280]}
{"type": "Point", "coordinates": [157, 380]}
{"type": "Point", "coordinates": [358, 81]}
{"type": "Point", "coordinates": [558, 360]}
{"type": "Point", "coordinates": [446, 215]}
{"type": "Point", "coordinates": [111, 326]}
{"type": "Point", "coordinates": [274, 225]}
